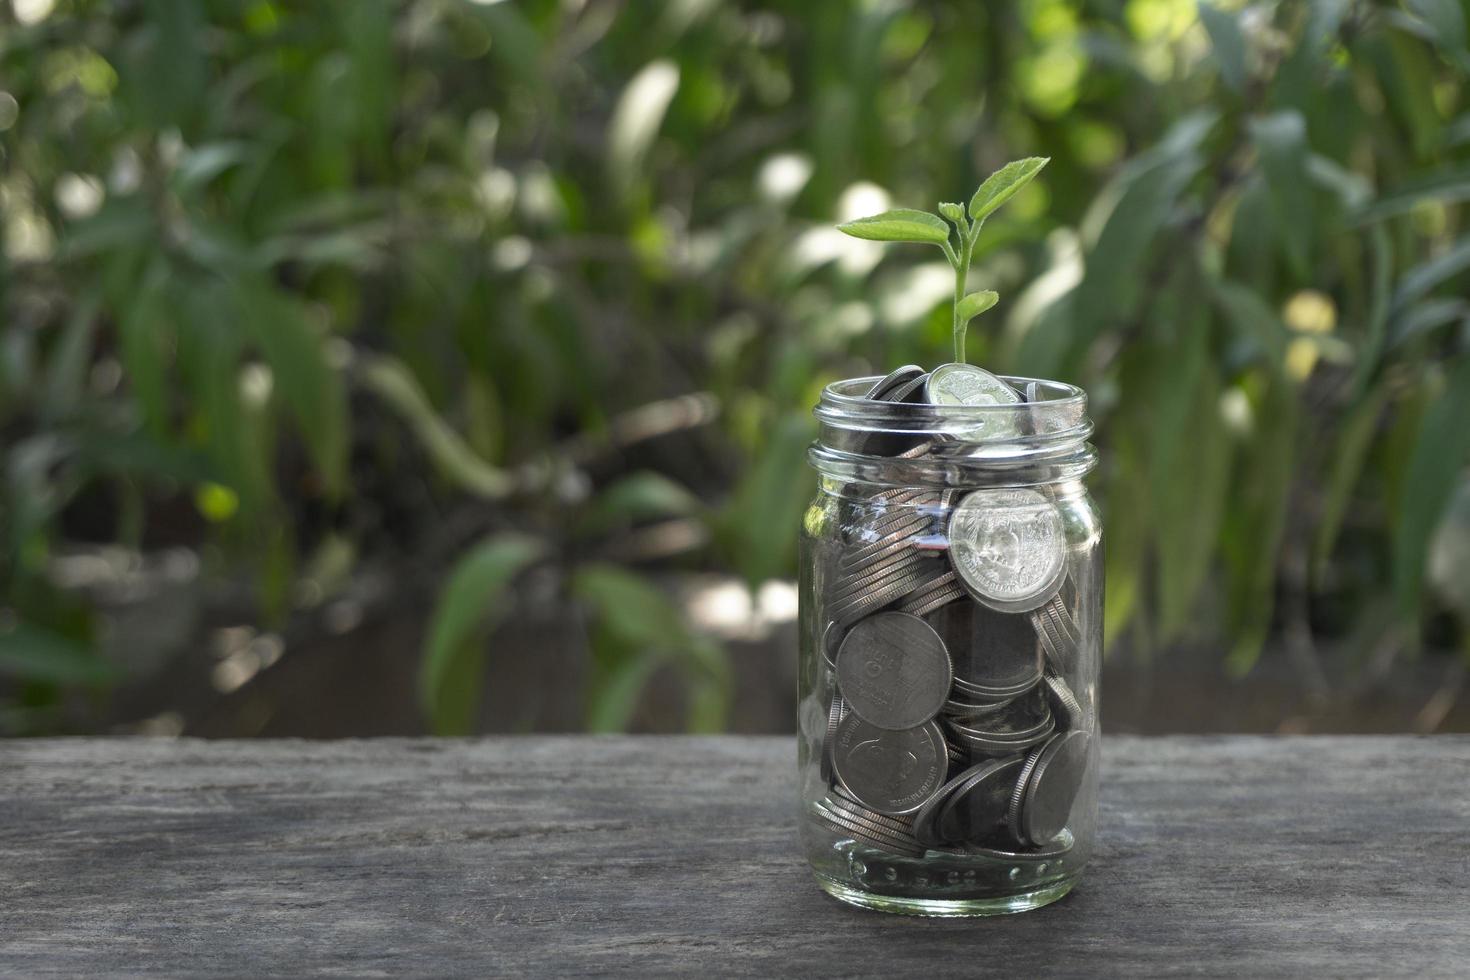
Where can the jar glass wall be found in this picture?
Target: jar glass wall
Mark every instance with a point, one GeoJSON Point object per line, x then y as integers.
{"type": "Point", "coordinates": [951, 633]}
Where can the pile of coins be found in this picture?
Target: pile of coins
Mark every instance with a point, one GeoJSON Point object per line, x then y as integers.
{"type": "Point", "coordinates": [948, 632]}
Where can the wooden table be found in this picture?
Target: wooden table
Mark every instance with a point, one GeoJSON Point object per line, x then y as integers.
{"type": "Point", "coordinates": [570, 855]}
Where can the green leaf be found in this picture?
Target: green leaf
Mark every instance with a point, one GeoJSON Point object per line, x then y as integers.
{"type": "Point", "coordinates": [637, 622]}
{"type": "Point", "coordinates": [1448, 186]}
{"type": "Point", "coordinates": [1449, 554]}
{"type": "Point", "coordinates": [636, 120]}
{"type": "Point", "coordinates": [639, 496]}
{"type": "Point", "coordinates": [1420, 280]}
{"type": "Point", "coordinates": [313, 389]}
{"type": "Point", "coordinates": [1189, 469]}
{"type": "Point", "coordinates": [758, 527]}
{"type": "Point", "coordinates": [1002, 185]}
{"type": "Point", "coordinates": [1344, 472]}
{"type": "Point", "coordinates": [1256, 520]}
{"type": "Point", "coordinates": [953, 212]}
{"type": "Point", "coordinates": [901, 225]}
{"type": "Point", "coordinates": [1281, 140]}
{"type": "Point", "coordinates": [34, 653]}
{"type": "Point", "coordinates": [391, 380]}
{"type": "Point", "coordinates": [1229, 44]}
{"type": "Point", "coordinates": [1253, 320]}
{"type": "Point", "coordinates": [976, 303]}
{"type": "Point", "coordinates": [470, 602]}
{"type": "Point", "coordinates": [612, 701]}
{"type": "Point", "coordinates": [1441, 450]}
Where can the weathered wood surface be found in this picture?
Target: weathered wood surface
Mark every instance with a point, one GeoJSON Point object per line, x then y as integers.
{"type": "Point", "coordinates": [565, 855]}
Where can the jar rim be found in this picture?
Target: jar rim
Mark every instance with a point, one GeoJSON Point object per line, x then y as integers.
{"type": "Point", "coordinates": [1058, 413]}
{"type": "Point", "coordinates": [1029, 442]}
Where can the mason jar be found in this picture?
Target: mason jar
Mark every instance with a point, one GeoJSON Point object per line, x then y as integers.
{"type": "Point", "coordinates": [951, 639]}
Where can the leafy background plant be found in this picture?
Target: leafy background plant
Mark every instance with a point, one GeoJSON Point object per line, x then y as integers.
{"type": "Point", "coordinates": [429, 340]}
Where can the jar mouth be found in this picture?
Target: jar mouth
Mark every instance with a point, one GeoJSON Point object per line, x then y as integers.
{"type": "Point", "coordinates": [1049, 429]}
{"type": "Point", "coordinates": [1054, 410]}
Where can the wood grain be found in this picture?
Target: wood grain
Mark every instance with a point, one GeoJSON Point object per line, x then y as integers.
{"type": "Point", "coordinates": [641, 856]}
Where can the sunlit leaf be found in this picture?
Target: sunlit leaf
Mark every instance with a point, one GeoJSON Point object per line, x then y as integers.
{"type": "Point", "coordinates": [470, 602]}
{"type": "Point", "coordinates": [899, 225]}
{"type": "Point", "coordinates": [636, 121]}
{"type": "Point", "coordinates": [1002, 185]}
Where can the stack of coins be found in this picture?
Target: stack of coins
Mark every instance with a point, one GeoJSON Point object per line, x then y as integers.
{"type": "Point", "coordinates": [948, 631]}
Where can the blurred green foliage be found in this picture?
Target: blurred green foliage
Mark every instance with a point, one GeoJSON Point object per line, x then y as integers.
{"type": "Point", "coordinates": [300, 285]}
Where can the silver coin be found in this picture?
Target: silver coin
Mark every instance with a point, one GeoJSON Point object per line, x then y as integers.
{"type": "Point", "coordinates": [831, 640]}
{"type": "Point", "coordinates": [1065, 703]}
{"type": "Point", "coordinates": [977, 807]}
{"type": "Point", "coordinates": [861, 580]}
{"type": "Point", "coordinates": [889, 590]}
{"type": "Point", "coordinates": [893, 670]}
{"type": "Point", "coordinates": [1009, 548]}
{"type": "Point", "coordinates": [890, 772]}
{"type": "Point", "coordinates": [979, 741]}
{"type": "Point", "coordinates": [841, 798]}
{"type": "Point", "coordinates": [868, 833]}
{"type": "Point", "coordinates": [965, 384]}
{"type": "Point", "coordinates": [835, 713]}
{"type": "Point", "coordinates": [1052, 788]}
{"type": "Point", "coordinates": [1013, 812]}
{"type": "Point", "coordinates": [915, 390]}
{"type": "Point", "coordinates": [897, 379]}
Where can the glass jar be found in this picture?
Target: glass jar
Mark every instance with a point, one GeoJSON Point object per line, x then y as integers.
{"type": "Point", "coordinates": [951, 639]}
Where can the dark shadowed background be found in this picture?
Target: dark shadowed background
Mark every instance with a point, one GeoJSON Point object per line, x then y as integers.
{"type": "Point", "coordinates": [378, 367]}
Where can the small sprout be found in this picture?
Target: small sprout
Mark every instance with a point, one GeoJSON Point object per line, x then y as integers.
{"type": "Point", "coordinates": [906, 225]}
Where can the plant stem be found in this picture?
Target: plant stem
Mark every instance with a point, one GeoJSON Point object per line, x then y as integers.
{"type": "Point", "coordinates": [961, 276]}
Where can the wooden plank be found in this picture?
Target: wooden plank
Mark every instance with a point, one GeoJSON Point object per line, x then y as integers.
{"type": "Point", "coordinates": [554, 856]}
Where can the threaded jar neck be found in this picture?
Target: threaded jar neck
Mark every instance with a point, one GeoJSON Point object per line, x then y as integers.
{"type": "Point", "coordinates": [1039, 441]}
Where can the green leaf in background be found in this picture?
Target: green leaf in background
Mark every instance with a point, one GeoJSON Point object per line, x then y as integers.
{"type": "Point", "coordinates": [1004, 184]}
{"type": "Point", "coordinates": [147, 331]}
{"type": "Point", "coordinates": [1255, 521]}
{"type": "Point", "coordinates": [1345, 469]}
{"type": "Point", "coordinates": [759, 524]}
{"type": "Point", "coordinates": [1440, 453]}
{"type": "Point", "coordinates": [638, 622]}
{"type": "Point", "coordinates": [1189, 467]}
{"type": "Point", "coordinates": [66, 368]}
{"type": "Point", "coordinates": [311, 388]}
{"type": "Point", "coordinates": [1253, 320]}
{"type": "Point", "coordinates": [1229, 44]}
{"type": "Point", "coordinates": [35, 653]}
{"type": "Point", "coordinates": [470, 603]}
{"type": "Point", "coordinates": [976, 303]}
{"type": "Point", "coordinates": [639, 496]}
{"type": "Point", "coordinates": [899, 225]}
{"type": "Point", "coordinates": [636, 121]}
{"type": "Point", "coordinates": [1281, 140]}
{"type": "Point", "coordinates": [1418, 281]}
{"type": "Point", "coordinates": [1449, 553]}
{"type": "Point", "coordinates": [391, 380]}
